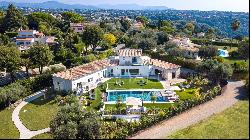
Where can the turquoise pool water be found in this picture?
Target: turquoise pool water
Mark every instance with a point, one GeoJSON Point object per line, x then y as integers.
{"type": "Point", "coordinates": [145, 95]}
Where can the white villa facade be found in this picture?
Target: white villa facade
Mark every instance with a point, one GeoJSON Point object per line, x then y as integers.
{"type": "Point", "coordinates": [129, 63]}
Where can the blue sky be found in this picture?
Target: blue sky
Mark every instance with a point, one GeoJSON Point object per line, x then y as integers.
{"type": "Point", "coordinates": [221, 5]}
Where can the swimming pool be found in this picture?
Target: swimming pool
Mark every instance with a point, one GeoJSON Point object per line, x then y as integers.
{"type": "Point", "coordinates": [145, 95]}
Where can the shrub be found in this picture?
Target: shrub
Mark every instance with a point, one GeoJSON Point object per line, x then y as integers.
{"type": "Point", "coordinates": [22, 88]}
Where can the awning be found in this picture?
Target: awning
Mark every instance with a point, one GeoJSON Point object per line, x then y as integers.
{"type": "Point", "coordinates": [133, 101]}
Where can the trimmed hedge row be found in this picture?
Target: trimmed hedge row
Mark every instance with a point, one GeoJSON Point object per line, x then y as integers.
{"type": "Point", "coordinates": [23, 88]}
{"type": "Point", "coordinates": [120, 129]}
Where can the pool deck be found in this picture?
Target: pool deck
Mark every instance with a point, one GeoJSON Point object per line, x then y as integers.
{"type": "Point", "coordinates": [135, 90]}
{"type": "Point", "coordinates": [114, 102]}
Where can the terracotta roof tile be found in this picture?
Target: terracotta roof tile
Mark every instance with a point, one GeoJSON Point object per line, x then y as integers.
{"type": "Point", "coordinates": [130, 52]}
{"type": "Point", "coordinates": [85, 69]}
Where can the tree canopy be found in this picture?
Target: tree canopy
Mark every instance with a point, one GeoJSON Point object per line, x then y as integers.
{"type": "Point", "coordinates": [14, 19]}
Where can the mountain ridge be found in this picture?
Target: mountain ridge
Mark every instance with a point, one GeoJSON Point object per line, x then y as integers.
{"type": "Point", "coordinates": [59, 5]}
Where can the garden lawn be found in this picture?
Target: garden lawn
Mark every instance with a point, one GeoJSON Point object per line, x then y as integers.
{"type": "Point", "coordinates": [98, 99]}
{"type": "Point", "coordinates": [232, 123]}
{"type": "Point", "coordinates": [132, 83]}
{"type": "Point", "coordinates": [7, 128]}
{"type": "Point", "coordinates": [43, 136]}
{"type": "Point", "coordinates": [37, 114]}
{"type": "Point", "coordinates": [187, 94]}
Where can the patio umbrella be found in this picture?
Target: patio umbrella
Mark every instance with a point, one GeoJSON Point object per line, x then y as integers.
{"type": "Point", "coordinates": [173, 88]}
{"type": "Point", "coordinates": [133, 101]}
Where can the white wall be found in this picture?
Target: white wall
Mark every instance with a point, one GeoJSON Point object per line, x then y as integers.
{"type": "Point", "coordinates": [25, 43]}
{"type": "Point", "coordinates": [123, 60]}
{"type": "Point", "coordinates": [27, 34]}
{"type": "Point", "coordinates": [143, 70]}
{"type": "Point", "coordinates": [65, 85]}
{"type": "Point", "coordinates": [97, 75]}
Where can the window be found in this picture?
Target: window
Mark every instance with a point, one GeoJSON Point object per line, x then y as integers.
{"type": "Point", "coordinates": [173, 75]}
{"type": "Point", "coordinates": [79, 28]}
{"type": "Point", "coordinates": [30, 36]}
{"type": "Point", "coordinates": [23, 35]}
{"type": "Point", "coordinates": [79, 85]}
{"type": "Point", "coordinates": [90, 79]}
{"type": "Point", "coordinates": [123, 58]}
{"type": "Point", "coordinates": [134, 71]}
{"type": "Point", "coordinates": [123, 71]}
{"type": "Point", "coordinates": [134, 60]}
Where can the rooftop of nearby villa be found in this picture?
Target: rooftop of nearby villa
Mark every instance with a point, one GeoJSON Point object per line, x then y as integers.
{"type": "Point", "coordinates": [161, 64]}
{"type": "Point", "coordinates": [130, 52]}
{"type": "Point", "coordinates": [85, 69]}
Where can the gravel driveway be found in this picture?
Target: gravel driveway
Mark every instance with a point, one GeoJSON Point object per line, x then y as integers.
{"type": "Point", "coordinates": [231, 94]}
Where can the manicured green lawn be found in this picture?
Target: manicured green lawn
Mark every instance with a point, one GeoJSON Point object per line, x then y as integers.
{"type": "Point", "coordinates": [230, 60]}
{"type": "Point", "coordinates": [132, 83]}
{"type": "Point", "coordinates": [98, 99]}
{"type": "Point", "coordinates": [43, 136]}
{"type": "Point", "coordinates": [38, 113]}
{"type": "Point", "coordinates": [7, 128]}
{"type": "Point", "coordinates": [187, 94]}
{"type": "Point", "coordinates": [232, 123]}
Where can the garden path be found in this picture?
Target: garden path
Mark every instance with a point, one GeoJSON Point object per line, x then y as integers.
{"type": "Point", "coordinates": [25, 133]}
{"type": "Point", "coordinates": [232, 93]}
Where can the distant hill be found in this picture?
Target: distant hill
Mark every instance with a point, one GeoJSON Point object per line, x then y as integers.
{"type": "Point", "coordinates": [132, 7]}
{"type": "Point", "coordinates": [48, 5]}
{"type": "Point", "coordinates": [58, 5]}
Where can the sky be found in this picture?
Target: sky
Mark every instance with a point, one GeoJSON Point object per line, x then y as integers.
{"type": "Point", "coordinates": [204, 5]}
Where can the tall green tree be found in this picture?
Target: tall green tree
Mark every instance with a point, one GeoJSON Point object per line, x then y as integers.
{"type": "Point", "coordinates": [14, 19]}
{"type": "Point", "coordinates": [92, 36]}
{"type": "Point", "coordinates": [10, 60]}
{"type": "Point", "coordinates": [72, 121]}
{"type": "Point", "coordinates": [244, 49]}
{"type": "Point", "coordinates": [36, 19]}
{"type": "Point", "coordinates": [235, 25]}
{"type": "Point", "coordinates": [40, 56]}
{"type": "Point", "coordinates": [125, 25]}
{"type": "Point", "coordinates": [208, 51]}
{"type": "Point", "coordinates": [72, 17]}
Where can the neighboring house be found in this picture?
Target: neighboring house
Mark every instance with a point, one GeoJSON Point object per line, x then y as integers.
{"type": "Point", "coordinates": [128, 63]}
{"type": "Point", "coordinates": [201, 34]}
{"type": "Point", "coordinates": [27, 38]}
{"type": "Point", "coordinates": [190, 49]}
{"type": "Point", "coordinates": [77, 27]}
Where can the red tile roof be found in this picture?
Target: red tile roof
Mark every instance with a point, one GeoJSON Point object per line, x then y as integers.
{"type": "Point", "coordinates": [130, 52]}
{"type": "Point", "coordinates": [162, 64]}
{"type": "Point", "coordinates": [24, 39]}
{"type": "Point", "coordinates": [85, 69]}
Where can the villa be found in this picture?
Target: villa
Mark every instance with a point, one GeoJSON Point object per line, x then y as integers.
{"type": "Point", "coordinates": [130, 63]}
{"type": "Point", "coordinates": [190, 49]}
{"type": "Point", "coordinates": [27, 38]}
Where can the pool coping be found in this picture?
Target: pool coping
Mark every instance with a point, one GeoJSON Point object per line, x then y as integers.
{"type": "Point", "coordinates": [136, 90]}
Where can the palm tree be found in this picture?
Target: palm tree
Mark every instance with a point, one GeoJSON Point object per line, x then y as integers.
{"type": "Point", "coordinates": [119, 103]}
{"type": "Point", "coordinates": [153, 99]}
{"type": "Point", "coordinates": [235, 25]}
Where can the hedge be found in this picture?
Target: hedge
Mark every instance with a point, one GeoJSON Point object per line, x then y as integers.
{"type": "Point", "coordinates": [22, 88]}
